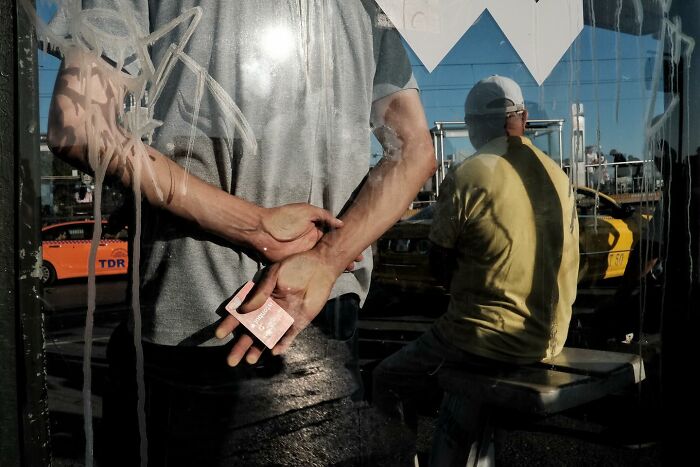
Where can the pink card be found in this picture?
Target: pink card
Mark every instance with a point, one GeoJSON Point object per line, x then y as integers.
{"type": "Point", "coordinates": [268, 323]}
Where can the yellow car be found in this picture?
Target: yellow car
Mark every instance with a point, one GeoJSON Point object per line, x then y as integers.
{"type": "Point", "coordinates": [607, 233]}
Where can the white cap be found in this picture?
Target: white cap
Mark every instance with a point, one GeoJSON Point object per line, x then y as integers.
{"type": "Point", "coordinates": [495, 95]}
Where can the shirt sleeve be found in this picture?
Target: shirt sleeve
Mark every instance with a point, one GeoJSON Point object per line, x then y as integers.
{"type": "Point", "coordinates": [393, 71]}
{"type": "Point", "coordinates": [114, 29]}
{"type": "Point", "coordinates": [461, 203]}
{"type": "Point", "coordinates": [444, 229]}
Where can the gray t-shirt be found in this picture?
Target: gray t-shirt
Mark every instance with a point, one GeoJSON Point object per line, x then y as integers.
{"type": "Point", "coordinates": [304, 75]}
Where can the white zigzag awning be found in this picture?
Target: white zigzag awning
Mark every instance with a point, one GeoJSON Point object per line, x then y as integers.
{"type": "Point", "coordinates": [540, 31]}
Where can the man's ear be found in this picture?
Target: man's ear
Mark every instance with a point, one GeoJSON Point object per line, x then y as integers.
{"type": "Point", "coordinates": [515, 126]}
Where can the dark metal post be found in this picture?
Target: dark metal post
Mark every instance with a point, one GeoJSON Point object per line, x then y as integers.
{"type": "Point", "coordinates": [9, 414]}
{"type": "Point", "coordinates": [24, 434]}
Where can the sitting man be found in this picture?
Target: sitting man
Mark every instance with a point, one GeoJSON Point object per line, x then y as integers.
{"type": "Point", "coordinates": [505, 238]}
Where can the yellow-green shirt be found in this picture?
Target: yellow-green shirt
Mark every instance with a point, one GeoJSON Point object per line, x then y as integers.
{"type": "Point", "coordinates": [509, 213]}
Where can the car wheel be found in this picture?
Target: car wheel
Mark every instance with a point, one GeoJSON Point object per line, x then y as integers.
{"type": "Point", "coordinates": [48, 273]}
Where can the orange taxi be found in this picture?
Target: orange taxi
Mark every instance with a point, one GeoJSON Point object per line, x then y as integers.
{"type": "Point", "coordinates": [66, 249]}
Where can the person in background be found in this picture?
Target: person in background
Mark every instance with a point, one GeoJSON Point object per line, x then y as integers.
{"type": "Point", "coordinates": [621, 170]}
{"type": "Point", "coordinates": [592, 171]}
{"type": "Point", "coordinates": [505, 240]}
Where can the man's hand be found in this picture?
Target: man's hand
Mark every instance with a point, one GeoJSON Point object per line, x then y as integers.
{"type": "Point", "coordinates": [300, 284]}
{"type": "Point", "coordinates": [293, 228]}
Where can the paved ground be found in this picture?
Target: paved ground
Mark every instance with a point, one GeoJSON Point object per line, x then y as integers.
{"type": "Point", "coordinates": [313, 422]}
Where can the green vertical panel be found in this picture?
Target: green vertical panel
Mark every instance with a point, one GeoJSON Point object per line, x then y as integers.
{"type": "Point", "coordinates": [9, 420]}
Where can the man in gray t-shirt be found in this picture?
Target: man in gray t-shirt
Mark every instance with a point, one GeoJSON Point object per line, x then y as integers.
{"type": "Point", "coordinates": [305, 87]}
{"type": "Point", "coordinates": [308, 80]}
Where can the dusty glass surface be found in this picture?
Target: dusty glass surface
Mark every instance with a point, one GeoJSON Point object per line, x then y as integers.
{"type": "Point", "coordinates": [271, 102]}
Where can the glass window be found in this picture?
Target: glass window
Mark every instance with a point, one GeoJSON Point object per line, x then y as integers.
{"type": "Point", "coordinates": [56, 233]}
{"type": "Point", "coordinates": [219, 139]}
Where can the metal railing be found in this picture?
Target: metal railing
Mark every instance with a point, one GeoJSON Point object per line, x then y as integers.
{"type": "Point", "coordinates": [622, 177]}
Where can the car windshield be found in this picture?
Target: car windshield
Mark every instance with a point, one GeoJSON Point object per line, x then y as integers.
{"type": "Point", "coordinates": [424, 214]}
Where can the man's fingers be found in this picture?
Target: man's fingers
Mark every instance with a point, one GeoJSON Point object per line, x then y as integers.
{"type": "Point", "coordinates": [286, 341]}
{"type": "Point", "coordinates": [253, 354]}
{"type": "Point", "coordinates": [239, 349]}
{"type": "Point", "coordinates": [327, 218]}
{"type": "Point", "coordinates": [226, 327]}
{"type": "Point", "coordinates": [282, 346]}
{"type": "Point", "coordinates": [262, 290]}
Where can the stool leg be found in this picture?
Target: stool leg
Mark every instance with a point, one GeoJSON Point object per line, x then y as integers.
{"type": "Point", "coordinates": [483, 452]}
{"type": "Point", "coordinates": [463, 435]}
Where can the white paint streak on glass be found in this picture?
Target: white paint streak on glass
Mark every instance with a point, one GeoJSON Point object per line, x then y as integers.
{"type": "Point", "coordinates": [574, 77]}
{"type": "Point", "coordinates": [618, 74]}
{"type": "Point", "coordinates": [639, 15]}
{"type": "Point", "coordinates": [596, 97]}
{"type": "Point", "coordinates": [657, 131]}
{"type": "Point", "coordinates": [99, 166]}
{"type": "Point", "coordinates": [572, 172]}
{"type": "Point", "coordinates": [681, 48]}
{"type": "Point", "coordinates": [136, 307]}
{"type": "Point", "coordinates": [326, 104]}
{"type": "Point", "coordinates": [199, 92]}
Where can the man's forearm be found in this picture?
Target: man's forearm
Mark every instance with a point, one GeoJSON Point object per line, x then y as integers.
{"type": "Point", "coordinates": [83, 131]}
{"type": "Point", "coordinates": [389, 190]}
{"type": "Point", "coordinates": [209, 207]}
{"type": "Point", "coordinates": [390, 187]}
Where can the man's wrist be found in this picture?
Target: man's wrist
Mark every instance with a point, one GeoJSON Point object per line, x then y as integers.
{"type": "Point", "coordinates": [241, 221]}
{"type": "Point", "coordinates": [335, 257]}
